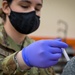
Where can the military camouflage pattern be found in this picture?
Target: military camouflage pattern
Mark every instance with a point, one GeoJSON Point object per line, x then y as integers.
{"type": "Point", "coordinates": [8, 49]}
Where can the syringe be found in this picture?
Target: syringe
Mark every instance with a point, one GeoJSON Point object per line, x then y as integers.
{"type": "Point", "coordinates": [65, 54]}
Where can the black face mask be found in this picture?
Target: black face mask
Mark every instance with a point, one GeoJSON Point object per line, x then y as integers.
{"type": "Point", "coordinates": [24, 23]}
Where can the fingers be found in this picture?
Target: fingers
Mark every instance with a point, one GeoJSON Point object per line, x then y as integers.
{"type": "Point", "coordinates": [50, 63]}
{"type": "Point", "coordinates": [58, 39]}
{"type": "Point", "coordinates": [55, 57]}
{"type": "Point", "coordinates": [53, 62]}
{"type": "Point", "coordinates": [56, 43]}
{"type": "Point", "coordinates": [54, 50]}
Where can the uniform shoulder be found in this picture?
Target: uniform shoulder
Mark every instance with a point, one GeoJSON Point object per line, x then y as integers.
{"type": "Point", "coordinates": [28, 41]}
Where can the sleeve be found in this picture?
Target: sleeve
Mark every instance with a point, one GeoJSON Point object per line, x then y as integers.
{"type": "Point", "coordinates": [10, 66]}
{"type": "Point", "coordinates": [50, 71]}
{"type": "Point", "coordinates": [47, 71]}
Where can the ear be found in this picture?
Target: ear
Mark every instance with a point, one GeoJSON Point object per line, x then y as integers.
{"type": "Point", "coordinates": [5, 8]}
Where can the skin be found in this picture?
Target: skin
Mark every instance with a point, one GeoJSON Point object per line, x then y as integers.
{"type": "Point", "coordinates": [21, 6]}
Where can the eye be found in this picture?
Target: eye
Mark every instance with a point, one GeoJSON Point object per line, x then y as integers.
{"type": "Point", "coordinates": [37, 9]}
{"type": "Point", "coordinates": [25, 6]}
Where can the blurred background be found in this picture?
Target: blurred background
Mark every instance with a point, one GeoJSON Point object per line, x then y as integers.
{"type": "Point", "coordinates": [57, 21]}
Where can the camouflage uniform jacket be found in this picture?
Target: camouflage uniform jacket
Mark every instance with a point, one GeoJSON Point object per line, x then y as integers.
{"type": "Point", "coordinates": [8, 49]}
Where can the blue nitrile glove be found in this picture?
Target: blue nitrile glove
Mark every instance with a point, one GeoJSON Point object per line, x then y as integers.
{"type": "Point", "coordinates": [43, 53]}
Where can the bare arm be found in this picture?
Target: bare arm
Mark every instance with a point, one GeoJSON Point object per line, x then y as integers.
{"type": "Point", "coordinates": [20, 61]}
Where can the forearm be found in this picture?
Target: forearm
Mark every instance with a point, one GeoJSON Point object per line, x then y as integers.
{"type": "Point", "coordinates": [20, 61]}
{"type": "Point", "coordinates": [9, 66]}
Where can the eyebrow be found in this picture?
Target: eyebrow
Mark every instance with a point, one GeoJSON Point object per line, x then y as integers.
{"type": "Point", "coordinates": [39, 4]}
{"type": "Point", "coordinates": [25, 1]}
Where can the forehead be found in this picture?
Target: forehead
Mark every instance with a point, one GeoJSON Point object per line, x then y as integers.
{"type": "Point", "coordinates": [34, 1]}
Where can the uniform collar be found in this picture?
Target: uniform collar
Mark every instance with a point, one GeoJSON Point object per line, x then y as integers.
{"type": "Point", "coordinates": [8, 42]}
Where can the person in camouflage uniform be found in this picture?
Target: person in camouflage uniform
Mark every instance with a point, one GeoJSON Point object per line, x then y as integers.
{"type": "Point", "coordinates": [13, 41]}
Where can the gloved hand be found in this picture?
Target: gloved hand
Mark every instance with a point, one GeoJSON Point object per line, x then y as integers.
{"type": "Point", "coordinates": [43, 53]}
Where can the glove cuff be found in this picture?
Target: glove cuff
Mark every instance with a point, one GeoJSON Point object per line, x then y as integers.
{"type": "Point", "coordinates": [25, 58]}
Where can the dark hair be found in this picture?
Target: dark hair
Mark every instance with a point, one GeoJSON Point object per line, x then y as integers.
{"type": "Point", "coordinates": [2, 14]}
{"type": "Point", "coordinates": [9, 1]}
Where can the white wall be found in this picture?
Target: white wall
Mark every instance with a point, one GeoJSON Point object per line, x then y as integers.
{"type": "Point", "coordinates": [0, 2]}
{"type": "Point", "coordinates": [52, 12]}
{"type": "Point", "coordinates": [0, 7]}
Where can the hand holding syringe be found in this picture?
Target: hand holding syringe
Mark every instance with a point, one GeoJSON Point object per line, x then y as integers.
{"type": "Point", "coordinates": [65, 54]}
